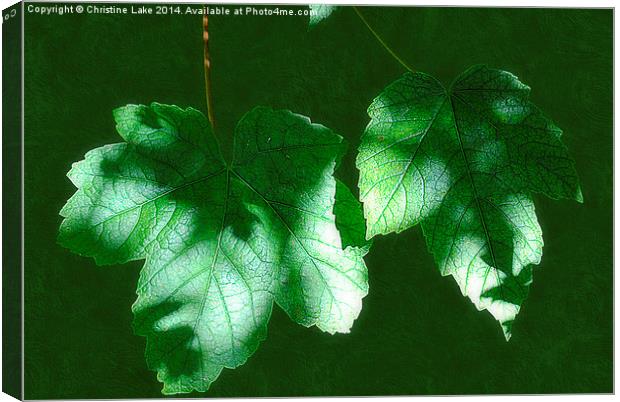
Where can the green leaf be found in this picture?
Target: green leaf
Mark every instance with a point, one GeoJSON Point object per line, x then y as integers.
{"type": "Point", "coordinates": [221, 243]}
{"type": "Point", "coordinates": [463, 163]}
{"type": "Point", "coordinates": [319, 12]}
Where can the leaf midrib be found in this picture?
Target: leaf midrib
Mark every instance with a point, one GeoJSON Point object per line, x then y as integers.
{"type": "Point", "coordinates": [475, 190]}
{"type": "Point", "coordinates": [411, 160]}
{"type": "Point", "coordinates": [159, 196]}
{"type": "Point", "coordinates": [246, 183]}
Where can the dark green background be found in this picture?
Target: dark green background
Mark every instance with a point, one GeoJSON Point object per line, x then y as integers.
{"type": "Point", "coordinates": [416, 333]}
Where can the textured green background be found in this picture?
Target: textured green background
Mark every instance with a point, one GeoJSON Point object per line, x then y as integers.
{"type": "Point", "coordinates": [416, 333]}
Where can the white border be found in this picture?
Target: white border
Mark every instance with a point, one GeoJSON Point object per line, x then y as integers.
{"type": "Point", "coordinates": [477, 3]}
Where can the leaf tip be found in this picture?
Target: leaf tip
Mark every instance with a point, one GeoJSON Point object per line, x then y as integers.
{"type": "Point", "coordinates": [120, 111]}
{"type": "Point", "coordinates": [507, 330]}
{"type": "Point", "coordinates": [579, 195]}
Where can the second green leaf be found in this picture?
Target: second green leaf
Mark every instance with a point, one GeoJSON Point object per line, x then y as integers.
{"type": "Point", "coordinates": [463, 162]}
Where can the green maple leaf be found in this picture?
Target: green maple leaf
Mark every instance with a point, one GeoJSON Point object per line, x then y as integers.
{"type": "Point", "coordinates": [319, 12]}
{"type": "Point", "coordinates": [463, 163]}
{"type": "Point", "coordinates": [221, 243]}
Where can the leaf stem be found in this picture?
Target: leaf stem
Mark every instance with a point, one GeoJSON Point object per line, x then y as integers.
{"type": "Point", "coordinates": [207, 69]}
{"type": "Point", "coordinates": [385, 45]}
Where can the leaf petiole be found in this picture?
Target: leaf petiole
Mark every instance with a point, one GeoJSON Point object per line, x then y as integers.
{"type": "Point", "coordinates": [385, 45]}
{"type": "Point", "coordinates": [207, 70]}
